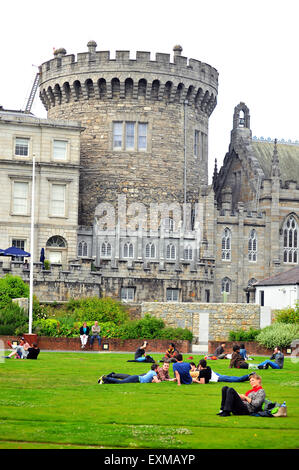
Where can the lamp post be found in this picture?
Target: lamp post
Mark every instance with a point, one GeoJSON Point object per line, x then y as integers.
{"type": "Point", "coordinates": [32, 245]}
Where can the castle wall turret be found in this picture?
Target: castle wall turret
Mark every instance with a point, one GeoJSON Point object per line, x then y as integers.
{"type": "Point", "coordinates": [146, 123]}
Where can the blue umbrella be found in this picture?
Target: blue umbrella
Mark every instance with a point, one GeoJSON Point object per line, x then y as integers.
{"type": "Point", "coordinates": [42, 255]}
{"type": "Point", "coordinates": [14, 251]}
{"type": "Point", "coordinates": [1, 252]}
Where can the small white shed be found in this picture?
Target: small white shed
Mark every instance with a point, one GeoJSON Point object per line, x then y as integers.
{"type": "Point", "coordinates": [279, 291]}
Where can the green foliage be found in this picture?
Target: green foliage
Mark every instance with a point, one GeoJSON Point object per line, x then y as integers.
{"type": "Point", "coordinates": [243, 335]}
{"type": "Point", "coordinates": [13, 320]}
{"type": "Point", "coordinates": [176, 334]}
{"type": "Point", "coordinates": [39, 311]}
{"type": "Point", "coordinates": [47, 264]}
{"type": "Point", "coordinates": [278, 334]}
{"type": "Point", "coordinates": [12, 287]}
{"type": "Point", "coordinates": [46, 327]}
{"type": "Point", "coordinates": [288, 315]}
{"type": "Point", "coordinates": [102, 309]}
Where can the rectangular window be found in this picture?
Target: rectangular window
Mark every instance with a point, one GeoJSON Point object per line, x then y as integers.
{"type": "Point", "coordinates": [207, 295]}
{"type": "Point", "coordinates": [58, 200]}
{"type": "Point", "coordinates": [117, 135]}
{"type": "Point", "coordinates": [196, 143]}
{"type": "Point", "coordinates": [22, 147]}
{"type": "Point", "coordinates": [20, 198]}
{"type": "Point", "coordinates": [142, 136]}
{"type": "Point", "coordinates": [130, 135]}
{"type": "Point", "coordinates": [127, 294]}
{"type": "Point", "coordinates": [18, 244]}
{"type": "Point", "coordinates": [262, 298]}
{"type": "Point", "coordinates": [172, 295]}
{"type": "Point", "coordinates": [59, 149]}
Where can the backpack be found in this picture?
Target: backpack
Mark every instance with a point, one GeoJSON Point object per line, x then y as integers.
{"type": "Point", "coordinates": [269, 408]}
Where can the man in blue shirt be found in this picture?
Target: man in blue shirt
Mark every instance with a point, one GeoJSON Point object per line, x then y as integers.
{"type": "Point", "coordinates": [150, 376]}
{"type": "Point", "coordinates": [182, 371]}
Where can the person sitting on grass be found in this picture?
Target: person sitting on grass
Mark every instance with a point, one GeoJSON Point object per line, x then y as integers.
{"type": "Point", "coordinates": [30, 353]}
{"type": "Point", "coordinates": [219, 352]}
{"type": "Point", "coordinates": [182, 371]}
{"type": "Point", "coordinates": [237, 361]}
{"type": "Point", "coordinates": [20, 350]}
{"type": "Point", "coordinates": [170, 354]}
{"type": "Point", "coordinates": [150, 376]}
{"type": "Point", "coordinates": [240, 404]}
{"type": "Point", "coordinates": [277, 356]}
{"type": "Point", "coordinates": [140, 354]}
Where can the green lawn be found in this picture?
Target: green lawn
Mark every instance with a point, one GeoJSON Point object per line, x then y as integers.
{"type": "Point", "coordinates": [56, 403]}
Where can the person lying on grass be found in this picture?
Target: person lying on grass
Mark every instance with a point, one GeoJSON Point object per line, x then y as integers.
{"type": "Point", "coordinates": [24, 351]}
{"type": "Point", "coordinates": [215, 377]}
{"type": "Point", "coordinates": [240, 404]}
{"type": "Point", "coordinates": [202, 373]}
{"type": "Point", "coordinates": [150, 376]}
{"type": "Point", "coordinates": [162, 374]}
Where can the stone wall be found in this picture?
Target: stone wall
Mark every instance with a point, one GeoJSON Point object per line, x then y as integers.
{"type": "Point", "coordinates": [207, 321]}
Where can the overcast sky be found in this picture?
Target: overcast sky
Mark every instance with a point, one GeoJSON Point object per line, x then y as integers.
{"type": "Point", "coordinates": [253, 44]}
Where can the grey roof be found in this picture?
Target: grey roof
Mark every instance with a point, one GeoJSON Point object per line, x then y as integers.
{"type": "Point", "coordinates": [288, 155]}
{"type": "Point", "coordinates": [291, 276]}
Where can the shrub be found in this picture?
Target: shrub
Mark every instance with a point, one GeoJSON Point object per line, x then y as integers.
{"type": "Point", "coordinates": [243, 335]}
{"type": "Point", "coordinates": [13, 320]}
{"type": "Point", "coordinates": [12, 287]}
{"type": "Point", "coordinates": [288, 315]}
{"type": "Point", "coordinates": [174, 334]}
{"type": "Point", "coordinates": [278, 334]}
{"type": "Point", "coordinates": [102, 309]}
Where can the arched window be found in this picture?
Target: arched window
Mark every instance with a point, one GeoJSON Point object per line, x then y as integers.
{"type": "Point", "coordinates": [56, 241]}
{"type": "Point", "coordinates": [82, 249]}
{"type": "Point", "coordinates": [150, 250]}
{"type": "Point", "coordinates": [128, 250]}
{"type": "Point", "coordinates": [188, 253]}
{"type": "Point", "coordinates": [226, 245]}
{"type": "Point", "coordinates": [106, 249]}
{"type": "Point", "coordinates": [226, 285]}
{"type": "Point", "coordinates": [252, 246]}
{"type": "Point", "coordinates": [290, 240]}
{"type": "Point", "coordinates": [129, 87]}
{"type": "Point", "coordinates": [170, 251]}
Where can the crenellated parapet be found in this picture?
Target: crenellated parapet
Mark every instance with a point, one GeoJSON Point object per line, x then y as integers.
{"type": "Point", "coordinates": [95, 75]}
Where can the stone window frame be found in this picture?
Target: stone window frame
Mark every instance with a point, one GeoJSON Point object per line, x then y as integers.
{"type": "Point", "coordinates": [252, 246]}
{"type": "Point", "coordinates": [106, 249]}
{"type": "Point", "coordinates": [196, 146]}
{"type": "Point", "coordinates": [21, 245]}
{"type": "Point", "coordinates": [62, 182]}
{"type": "Point", "coordinates": [188, 253]}
{"type": "Point", "coordinates": [83, 245]}
{"type": "Point", "coordinates": [226, 285]}
{"type": "Point", "coordinates": [290, 240]}
{"type": "Point", "coordinates": [20, 179]}
{"type": "Point", "coordinates": [150, 250]}
{"type": "Point", "coordinates": [137, 118]}
{"type": "Point", "coordinates": [226, 244]}
{"type": "Point", "coordinates": [130, 250]}
{"type": "Point", "coordinates": [127, 290]}
{"type": "Point", "coordinates": [170, 249]}
{"type": "Point", "coordinates": [172, 290]}
{"type": "Point", "coordinates": [67, 150]}
{"type": "Point", "coordinates": [14, 144]}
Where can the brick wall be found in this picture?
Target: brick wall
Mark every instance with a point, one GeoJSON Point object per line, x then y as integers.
{"type": "Point", "coordinates": [47, 343]}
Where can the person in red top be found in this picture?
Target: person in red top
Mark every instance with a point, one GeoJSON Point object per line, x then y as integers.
{"type": "Point", "coordinates": [243, 404]}
{"type": "Point", "coordinates": [171, 354]}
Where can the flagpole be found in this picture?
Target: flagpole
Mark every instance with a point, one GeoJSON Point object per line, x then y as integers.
{"type": "Point", "coordinates": [31, 245]}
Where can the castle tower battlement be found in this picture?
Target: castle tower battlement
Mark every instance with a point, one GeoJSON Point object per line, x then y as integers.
{"type": "Point", "coordinates": [63, 78]}
{"type": "Point", "coordinates": [146, 123]}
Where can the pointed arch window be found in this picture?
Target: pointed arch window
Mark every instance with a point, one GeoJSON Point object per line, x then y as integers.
{"type": "Point", "coordinates": [128, 250]}
{"type": "Point", "coordinates": [170, 251]}
{"type": "Point", "coordinates": [150, 250]}
{"type": "Point", "coordinates": [226, 285]}
{"type": "Point", "coordinates": [226, 245]}
{"type": "Point", "coordinates": [252, 246]}
{"type": "Point", "coordinates": [188, 253]}
{"type": "Point", "coordinates": [82, 249]}
{"type": "Point", "coordinates": [106, 249]}
{"type": "Point", "coordinates": [290, 241]}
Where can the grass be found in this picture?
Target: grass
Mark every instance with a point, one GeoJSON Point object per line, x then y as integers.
{"type": "Point", "coordinates": [56, 403]}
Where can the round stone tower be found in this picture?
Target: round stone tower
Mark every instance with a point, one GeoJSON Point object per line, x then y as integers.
{"type": "Point", "coordinates": [146, 123]}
